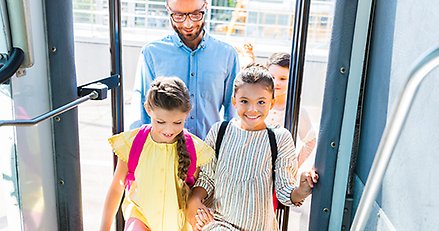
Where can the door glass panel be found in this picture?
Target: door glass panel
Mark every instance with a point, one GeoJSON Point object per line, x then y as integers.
{"type": "Point", "coordinates": [9, 196]}
{"type": "Point", "coordinates": [316, 60]}
{"type": "Point", "coordinates": [92, 58]}
{"type": "Point", "coordinates": [265, 25]}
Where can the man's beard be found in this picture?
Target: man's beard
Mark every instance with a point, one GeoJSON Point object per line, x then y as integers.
{"type": "Point", "coordinates": [185, 38]}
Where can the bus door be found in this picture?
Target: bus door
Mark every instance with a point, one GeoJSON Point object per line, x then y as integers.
{"type": "Point", "coordinates": [26, 154]}
{"type": "Point", "coordinates": [311, 33]}
{"type": "Point", "coordinates": [40, 183]}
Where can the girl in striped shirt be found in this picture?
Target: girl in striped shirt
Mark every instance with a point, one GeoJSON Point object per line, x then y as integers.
{"type": "Point", "coordinates": [240, 181]}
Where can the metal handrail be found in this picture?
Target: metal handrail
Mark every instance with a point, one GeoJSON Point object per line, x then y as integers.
{"type": "Point", "coordinates": [391, 134]}
{"type": "Point", "coordinates": [48, 115]}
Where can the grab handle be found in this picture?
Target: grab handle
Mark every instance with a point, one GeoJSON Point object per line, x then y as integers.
{"type": "Point", "coordinates": [50, 114]}
{"type": "Point", "coordinates": [11, 66]}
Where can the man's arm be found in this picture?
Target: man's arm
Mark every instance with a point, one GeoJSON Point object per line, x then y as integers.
{"type": "Point", "coordinates": [233, 67]}
{"type": "Point", "coordinates": [143, 78]}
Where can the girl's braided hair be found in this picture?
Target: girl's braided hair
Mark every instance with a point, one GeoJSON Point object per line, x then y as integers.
{"type": "Point", "coordinates": [170, 93]}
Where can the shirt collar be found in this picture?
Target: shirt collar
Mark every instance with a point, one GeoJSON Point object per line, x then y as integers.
{"type": "Point", "coordinates": [177, 41]}
{"type": "Point", "coordinates": [204, 40]}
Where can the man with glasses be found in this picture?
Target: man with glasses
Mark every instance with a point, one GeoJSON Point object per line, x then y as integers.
{"type": "Point", "coordinates": [207, 66]}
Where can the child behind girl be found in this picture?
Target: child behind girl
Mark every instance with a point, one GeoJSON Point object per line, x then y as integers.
{"type": "Point", "coordinates": [279, 67]}
{"type": "Point", "coordinates": [241, 179]}
{"type": "Point", "coordinates": [157, 198]}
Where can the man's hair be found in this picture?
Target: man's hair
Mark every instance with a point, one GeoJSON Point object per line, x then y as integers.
{"type": "Point", "coordinates": [281, 59]}
{"type": "Point", "coordinates": [254, 73]}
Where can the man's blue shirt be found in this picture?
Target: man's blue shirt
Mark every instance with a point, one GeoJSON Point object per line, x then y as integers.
{"type": "Point", "coordinates": [208, 72]}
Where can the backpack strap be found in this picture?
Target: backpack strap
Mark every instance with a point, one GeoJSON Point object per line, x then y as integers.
{"type": "Point", "coordinates": [136, 149]}
{"type": "Point", "coordinates": [190, 146]}
{"type": "Point", "coordinates": [273, 147]}
{"type": "Point", "coordinates": [271, 137]}
{"type": "Point", "coordinates": [220, 136]}
{"type": "Point", "coordinates": [274, 151]}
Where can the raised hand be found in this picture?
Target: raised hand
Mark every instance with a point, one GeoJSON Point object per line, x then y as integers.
{"type": "Point", "coordinates": [306, 184]}
{"type": "Point", "coordinates": [307, 181]}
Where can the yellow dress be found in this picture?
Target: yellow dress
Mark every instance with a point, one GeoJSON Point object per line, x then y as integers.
{"type": "Point", "coordinates": [154, 195]}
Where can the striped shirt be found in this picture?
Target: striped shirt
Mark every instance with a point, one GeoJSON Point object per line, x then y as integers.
{"type": "Point", "coordinates": [241, 179]}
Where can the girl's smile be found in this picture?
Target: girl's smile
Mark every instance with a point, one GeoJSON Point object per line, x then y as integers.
{"type": "Point", "coordinates": [166, 124]}
{"type": "Point", "coordinates": [252, 103]}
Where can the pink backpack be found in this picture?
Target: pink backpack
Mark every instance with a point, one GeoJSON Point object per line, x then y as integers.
{"type": "Point", "coordinates": [137, 147]}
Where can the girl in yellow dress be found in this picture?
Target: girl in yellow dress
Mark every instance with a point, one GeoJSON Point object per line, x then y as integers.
{"type": "Point", "coordinates": [157, 197]}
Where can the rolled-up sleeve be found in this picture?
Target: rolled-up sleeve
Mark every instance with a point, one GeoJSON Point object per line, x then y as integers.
{"type": "Point", "coordinates": [205, 177]}
{"type": "Point", "coordinates": [207, 171]}
{"type": "Point", "coordinates": [286, 167]}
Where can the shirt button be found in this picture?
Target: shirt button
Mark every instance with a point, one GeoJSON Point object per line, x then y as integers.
{"type": "Point", "coordinates": [192, 74]}
{"type": "Point", "coordinates": [192, 117]}
{"type": "Point", "coordinates": [193, 53]}
{"type": "Point", "coordinates": [192, 95]}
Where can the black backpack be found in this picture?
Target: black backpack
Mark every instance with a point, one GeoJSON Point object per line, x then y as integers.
{"type": "Point", "coordinates": [281, 210]}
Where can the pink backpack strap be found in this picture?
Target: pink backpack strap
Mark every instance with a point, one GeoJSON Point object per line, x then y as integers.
{"type": "Point", "coordinates": [190, 180]}
{"type": "Point", "coordinates": [136, 149]}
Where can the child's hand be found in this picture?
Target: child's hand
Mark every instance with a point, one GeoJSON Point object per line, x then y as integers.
{"type": "Point", "coordinates": [191, 212]}
{"type": "Point", "coordinates": [198, 214]}
{"type": "Point", "coordinates": [203, 217]}
{"type": "Point", "coordinates": [306, 184]}
{"type": "Point", "coordinates": [307, 181]}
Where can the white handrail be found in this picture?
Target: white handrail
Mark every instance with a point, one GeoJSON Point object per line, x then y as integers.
{"type": "Point", "coordinates": [391, 134]}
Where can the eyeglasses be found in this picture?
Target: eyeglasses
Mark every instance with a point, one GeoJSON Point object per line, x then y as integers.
{"type": "Point", "coordinates": [195, 16]}
{"type": "Point", "coordinates": [181, 17]}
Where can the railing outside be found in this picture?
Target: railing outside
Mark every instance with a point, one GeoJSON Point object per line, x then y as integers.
{"type": "Point", "coordinates": [266, 21]}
